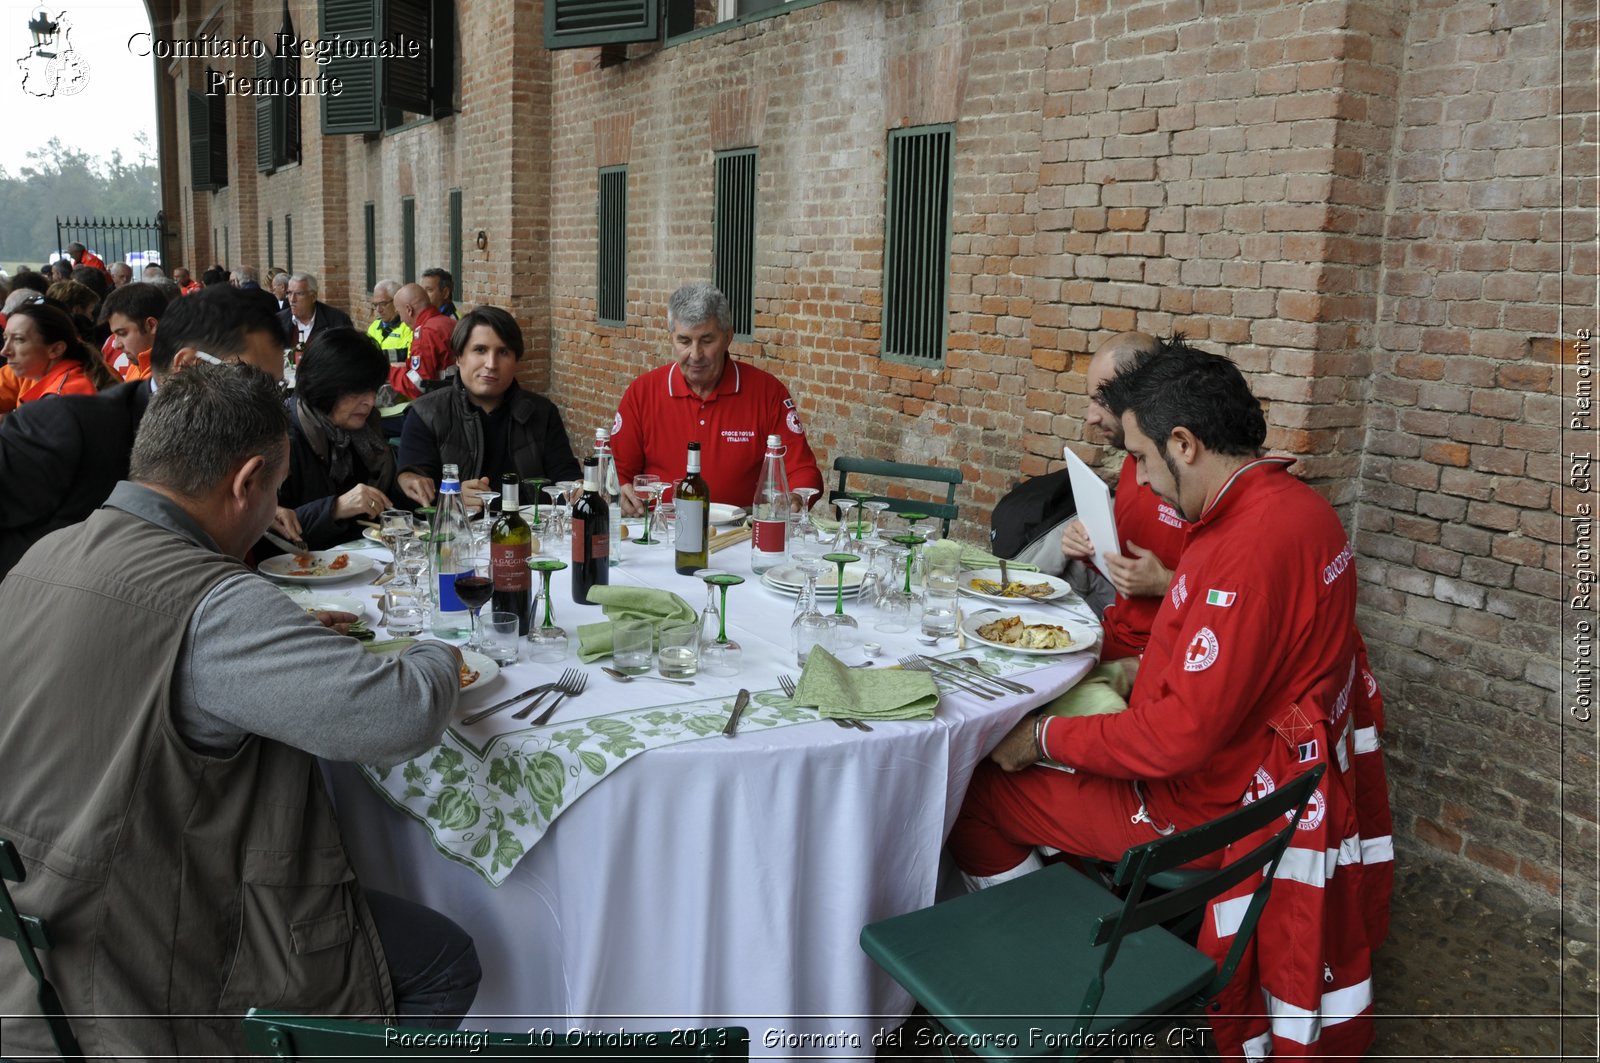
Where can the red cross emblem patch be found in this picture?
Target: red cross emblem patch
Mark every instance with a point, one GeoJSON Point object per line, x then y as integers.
{"type": "Point", "coordinates": [1316, 806]}
{"type": "Point", "coordinates": [1259, 787]}
{"type": "Point", "coordinates": [1201, 652]}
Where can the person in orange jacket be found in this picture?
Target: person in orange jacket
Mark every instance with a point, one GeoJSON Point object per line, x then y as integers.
{"type": "Point", "coordinates": [42, 346]}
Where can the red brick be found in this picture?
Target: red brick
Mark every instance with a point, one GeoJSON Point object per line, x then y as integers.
{"type": "Point", "coordinates": [1446, 453]}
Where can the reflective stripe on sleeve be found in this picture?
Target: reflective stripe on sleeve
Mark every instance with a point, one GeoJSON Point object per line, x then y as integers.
{"type": "Point", "coordinates": [1305, 1027]}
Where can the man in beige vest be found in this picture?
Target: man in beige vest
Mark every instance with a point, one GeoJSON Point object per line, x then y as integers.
{"type": "Point", "coordinates": [163, 787]}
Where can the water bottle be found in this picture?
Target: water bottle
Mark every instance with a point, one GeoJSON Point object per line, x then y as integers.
{"type": "Point", "coordinates": [770, 510]}
{"type": "Point", "coordinates": [449, 552]}
{"type": "Point", "coordinates": [610, 489]}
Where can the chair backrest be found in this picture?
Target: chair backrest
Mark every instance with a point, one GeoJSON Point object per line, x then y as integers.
{"type": "Point", "coordinates": [1286, 803]}
{"type": "Point", "coordinates": [946, 511]}
{"type": "Point", "coordinates": [278, 1035]}
{"type": "Point", "coordinates": [30, 934]}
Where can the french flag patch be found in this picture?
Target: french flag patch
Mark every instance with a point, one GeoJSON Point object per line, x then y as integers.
{"type": "Point", "coordinates": [1222, 598]}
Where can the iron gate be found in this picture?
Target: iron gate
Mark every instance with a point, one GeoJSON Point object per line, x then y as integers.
{"type": "Point", "coordinates": [114, 240]}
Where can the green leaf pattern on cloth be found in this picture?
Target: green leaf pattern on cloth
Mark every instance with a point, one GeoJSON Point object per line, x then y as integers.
{"type": "Point", "coordinates": [486, 807]}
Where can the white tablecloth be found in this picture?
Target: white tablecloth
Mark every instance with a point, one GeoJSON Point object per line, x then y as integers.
{"type": "Point", "coordinates": [723, 881]}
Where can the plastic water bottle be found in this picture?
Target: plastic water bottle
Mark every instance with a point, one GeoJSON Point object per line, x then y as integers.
{"type": "Point", "coordinates": [770, 510]}
{"type": "Point", "coordinates": [449, 552]}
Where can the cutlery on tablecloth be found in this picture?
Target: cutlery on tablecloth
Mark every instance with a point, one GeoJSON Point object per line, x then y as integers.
{"type": "Point", "coordinates": [912, 662]}
{"type": "Point", "coordinates": [739, 704]}
{"type": "Point", "coordinates": [507, 703]}
{"type": "Point", "coordinates": [570, 685]}
{"type": "Point", "coordinates": [979, 675]}
{"type": "Point", "coordinates": [623, 677]}
{"type": "Point", "coordinates": [790, 686]}
{"type": "Point", "coordinates": [1005, 577]}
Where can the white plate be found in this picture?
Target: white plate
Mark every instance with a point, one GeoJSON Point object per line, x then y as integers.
{"type": "Point", "coordinates": [1083, 635]}
{"type": "Point", "coordinates": [722, 513]}
{"type": "Point", "coordinates": [1059, 588]}
{"type": "Point", "coordinates": [343, 603]}
{"type": "Point", "coordinates": [485, 668]}
{"type": "Point", "coordinates": [282, 566]}
{"type": "Point", "coordinates": [790, 580]}
{"type": "Point", "coordinates": [374, 535]}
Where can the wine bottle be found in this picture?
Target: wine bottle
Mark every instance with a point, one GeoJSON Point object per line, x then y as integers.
{"type": "Point", "coordinates": [591, 536]}
{"type": "Point", "coordinates": [693, 500]}
{"type": "Point", "coordinates": [449, 543]}
{"type": "Point", "coordinates": [510, 546]}
{"type": "Point", "coordinates": [770, 510]}
{"type": "Point", "coordinates": [610, 490]}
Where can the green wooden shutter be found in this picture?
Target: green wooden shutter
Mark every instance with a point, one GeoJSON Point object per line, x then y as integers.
{"type": "Point", "coordinates": [442, 57]}
{"type": "Point", "coordinates": [611, 282]}
{"type": "Point", "coordinates": [358, 107]}
{"type": "Point", "coordinates": [581, 23]}
{"type": "Point", "coordinates": [287, 142]}
{"type": "Point", "coordinates": [266, 124]}
{"type": "Point", "coordinates": [199, 141]}
{"type": "Point", "coordinates": [217, 117]}
{"type": "Point", "coordinates": [734, 235]}
{"type": "Point", "coordinates": [406, 80]}
{"type": "Point", "coordinates": [916, 246]}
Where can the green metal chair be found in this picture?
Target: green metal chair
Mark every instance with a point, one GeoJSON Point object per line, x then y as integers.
{"type": "Point", "coordinates": [277, 1035]}
{"type": "Point", "coordinates": [946, 511]}
{"type": "Point", "coordinates": [1053, 963]}
{"type": "Point", "coordinates": [30, 934]}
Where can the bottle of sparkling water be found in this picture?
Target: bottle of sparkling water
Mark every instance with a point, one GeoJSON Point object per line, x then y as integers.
{"type": "Point", "coordinates": [449, 547]}
{"type": "Point", "coordinates": [769, 510]}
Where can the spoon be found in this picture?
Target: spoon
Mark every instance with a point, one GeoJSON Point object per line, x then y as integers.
{"type": "Point", "coordinates": [622, 678]}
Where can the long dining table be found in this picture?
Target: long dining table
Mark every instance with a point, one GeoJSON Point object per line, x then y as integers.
{"type": "Point", "coordinates": [704, 880]}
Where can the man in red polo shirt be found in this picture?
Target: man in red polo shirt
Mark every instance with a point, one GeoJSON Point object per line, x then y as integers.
{"type": "Point", "coordinates": [703, 396]}
{"type": "Point", "coordinates": [1152, 531]}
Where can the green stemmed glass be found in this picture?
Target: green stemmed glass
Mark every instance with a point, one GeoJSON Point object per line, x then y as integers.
{"type": "Point", "coordinates": [842, 626]}
{"type": "Point", "coordinates": [537, 488]}
{"type": "Point", "coordinates": [547, 642]}
{"type": "Point", "coordinates": [861, 503]}
{"type": "Point", "coordinates": [910, 542]}
{"type": "Point", "coordinates": [722, 656]}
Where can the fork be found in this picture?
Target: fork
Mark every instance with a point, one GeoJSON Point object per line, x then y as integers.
{"type": "Point", "coordinates": [788, 684]}
{"type": "Point", "coordinates": [912, 663]}
{"type": "Point", "coordinates": [571, 682]}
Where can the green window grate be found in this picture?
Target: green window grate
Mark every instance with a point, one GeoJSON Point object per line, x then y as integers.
{"type": "Point", "coordinates": [408, 239]}
{"type": "Point", "coordinates": [455, 237]}
{"type": "Point", "coordinates": [916, 248]}
{"type": "Point", "coordinates": [288, 242]}
{"type": "Point", "coordinates": [369, 219]}
{"type": "Point", "coordinates": [735, 235]}
{"type": "Point", "coordinates": [272, 251]}
{"type": "Point", "coordinates": [611, 282]}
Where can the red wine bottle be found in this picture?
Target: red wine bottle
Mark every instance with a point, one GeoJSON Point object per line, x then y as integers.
{"type": "Point", "coordinates": [591, 536]}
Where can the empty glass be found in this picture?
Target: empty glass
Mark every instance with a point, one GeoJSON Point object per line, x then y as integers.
{"type": "Point", "coordinates": [843, 628]}
{"type": "Point", "coordinates": [648, 487]}
{"type": "Point", "coordinates": [941, 611]}
{"type": "Point", "coordinates": [679, 657]}
{"type": "Point", "coordinates": [722, 655]}
{"type": "Point", "coordinates": [844, 537]}
{"type": "Point", "coordinates": [898, 605]}
{"type": "Point", "coordinates": [547, 643]}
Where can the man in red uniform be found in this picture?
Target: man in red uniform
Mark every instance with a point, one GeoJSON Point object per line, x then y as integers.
{"type": "Point", "coordinates": [431, 353]}
{"type": "Point", "coordinates": [82, 256]}
{"type": "Point", "coordinates": [1261, 615]}
{"type": "Point", "coordinates": [1152, 531]}
{"type": "Point", "coordinates": [704, 396]}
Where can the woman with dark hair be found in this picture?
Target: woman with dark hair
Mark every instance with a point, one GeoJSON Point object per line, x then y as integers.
{"type": "Point", "coordinates": [42, 346]}
{"type": "Point", "coordinates": [340, 465]}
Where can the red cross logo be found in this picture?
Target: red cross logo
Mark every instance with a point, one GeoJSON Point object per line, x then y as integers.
{"type": "Point", "coordinates": [1197, 649]}
{"type": "Point", "coordinates": [1259, 787]}
{"type": "Point", "coordinates": [1202, 652]}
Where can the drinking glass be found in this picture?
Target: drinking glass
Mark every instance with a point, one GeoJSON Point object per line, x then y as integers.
{"type": "Point", "coordinates": [411, 561]}
{"type": "Point", "coordinates": [405, 621]}
{"type": "Point", "coordinates": [680, 650]}
{"type": "Point", "coordinates": [547, 642]}
{"type": "Point", "coordinates": [474, 585]}
{"type": "Point", "coordinates": [941, 611]}
{"type": "Point", "coordinates": [845, 507]}
{"type": "Point", "coordinates": [721, 656]}
{"type": "Point", "coordinates": [860, 498]}
{"type": "Point", "coordinates": [631, 644]}
{"type": "Point", "coordinates": [896, 606]}
{"type": "Point", "coordinates": [393, 525]}
{"type": "Point", "coordinates": [648, 487]}
{"type": "Point", "coordinates": [499, 636]}
{"type": "Point", "coordinates": [875, 511]}
{"type": "Point", "coordinates": [535, 486]}
{"type": "Point", "coordinates": [666, 522]}
{"type": "Point", "coordinates": [553, 516]}
{"type": "Point", "coordinates": [843, 627]}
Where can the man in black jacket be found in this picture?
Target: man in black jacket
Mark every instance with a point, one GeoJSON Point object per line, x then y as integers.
{"type": "Point", "coordinates": [60, 457]}
{"type": "Point", "coordinates": [307, 315]}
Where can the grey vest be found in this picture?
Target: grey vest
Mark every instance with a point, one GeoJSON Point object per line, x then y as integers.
{"type": "Point", "coordinates": [177, 886]}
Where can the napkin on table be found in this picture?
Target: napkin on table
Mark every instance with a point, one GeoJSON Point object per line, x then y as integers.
{"type": "Point", "coordinates": [864, 694]}
{"type": "Point", "coordinates": [971, 557]}
{"type": "Point", "coordinates": [629, 603]}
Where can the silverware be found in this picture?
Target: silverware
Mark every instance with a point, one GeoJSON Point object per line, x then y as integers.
{"type": "Point", "coordinates": [739, 704]}
{"type": "Point", "coordinates": [979, 675]}
{"type": "Point", "coordinates": [507, 703]}
{"type": "Point", "coordinates": [912, 663]}
{"type": "Point", "coordinates": [790, 686]}
{"type": "Point", "coordinates": [570, 684]}
{"type": "Point", "coordinates": [1005, 578]}
{"type": "Point", "coordinates": [623, 677]}
{"type": "Point", "coordinates": [285, 544]}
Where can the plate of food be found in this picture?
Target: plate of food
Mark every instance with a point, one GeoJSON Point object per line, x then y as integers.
{"type": "Point", "coordinates": [1024, 586]}
{"type": "Point", "coordinates": [476, 670]}
{"type": "Point", "coordinates": [722, 513]}
{"type": "Point", "coordinates": [1033, 634]}
{"type": "Point", "coordinates": [316, 566]}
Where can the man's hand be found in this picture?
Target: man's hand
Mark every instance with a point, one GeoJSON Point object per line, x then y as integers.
{"type": "Point", "coordinates": [630, 503]}
{"type": "Point", "coordinates": [1018, 749]}
{"type": "Point", "coordinates": [1130, 668]}
{"type": "Point", "coordinates": [336, 619]}
{"type": "Point", "coordinates": [1138, 573]}
{"type": "Point", "coordinates": [361, 501]}
{"type": "Point", "coordinates": [286, 522]}
{"type": "Point", "coordinates": [419, 488]}
{"type": "Point", "coordinates": [1075, 541]}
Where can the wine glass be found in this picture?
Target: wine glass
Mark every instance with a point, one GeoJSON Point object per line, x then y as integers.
{"type": "Point", "coordinates": [554, 522]}
{"type": "Point", "coordinates": [474, 585]}
{"type": "Point", "coordinates": [547, 642]}
{"type": "Point", "coordinates": [803, 510]}
{"type": "Point", "coordinates": [809, 627]}
{"type": "Point", "coordinates": [875, 510]}
{"type": "Point", "coordinates": [484, 524]}
{"type": "Point", "coordinates": [647, 485]}
{"type": "Point", "coordinates": [860, 498]}
{"type": "Point", "coordinates": [843, 626]}
{"type": "Point", "coordinates": [535, 486]}
{"type": "Point", "coordinates": [844, 506]}
{"type": "Point", "coordinates": [411, 561]}
{"type": "Point", "coordinates": [721, 656]}
{"type": "Point", "coordinates": [896, 604]}
{"type": "Point", "coordinates": [393, 524]}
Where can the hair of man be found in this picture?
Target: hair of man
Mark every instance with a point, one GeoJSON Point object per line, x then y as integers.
{"type": "Point", "coordinates": [137, 302]}
{"type": "Point", "coordinates": [247, 275]}
{"type": "Point", "coordinates": [280, 278]}
{"type": "Point", "coordinates": [214, 276]}
{"type": "Point", "coordinates": [76, 250]}
{"type": "Point", "coordinates": [387, 287]}
{"type": "Point", "coordinates": [698, 304]}
{"type": "Point", "coordinates": [203, 423]}
{"type": "Point", "coordinates": [308, 279]}
{"type": "Point", "coordinates": [92, 279]}
{"type": "Point", "coordinates": [1180, 385]}
{"type": "Point", "coordinates": [339, 362]}
{"type": "Point", "coordinates": [443, 277]}
{"type": "Point", "coordinates": [30, 279]}
{"type": "Point", "coordinates": [504, 325]}
{"type": "Point", "coordinates": [218, 320]}
{"type": "Point", "coordinates": [166, 285]}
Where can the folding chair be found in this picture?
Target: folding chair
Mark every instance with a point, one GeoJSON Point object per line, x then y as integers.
{"type": "Point", "coordinates": [897, 470]}
{"type": "Point", "coordinates": [278, 1035]}
{"type": "Point", "coordinates": [30, 933]}
{"type": "Point", "coordinates": [1053, 963]}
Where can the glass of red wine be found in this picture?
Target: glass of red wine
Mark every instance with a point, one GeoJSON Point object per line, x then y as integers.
{"type": "Point", "coordinates": [475, 586]}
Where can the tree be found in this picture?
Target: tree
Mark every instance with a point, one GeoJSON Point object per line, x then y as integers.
{"type": "Point", "coordinates": [67, 181]}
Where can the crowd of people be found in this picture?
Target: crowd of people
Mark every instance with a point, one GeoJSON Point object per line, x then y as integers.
{"type": "Point", "coordinates": [158, 468]}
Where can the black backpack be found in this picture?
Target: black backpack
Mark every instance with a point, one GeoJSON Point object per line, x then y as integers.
{"type": "Point", "coordinates": [1028, 511]}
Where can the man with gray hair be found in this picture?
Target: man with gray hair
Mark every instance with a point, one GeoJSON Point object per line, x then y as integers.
{"type": "Point", "coordinates": [121, 274]}
{"type": "Point", "coordinates": [207, 828]}
{"type": "Point", "coordinates": [245, 277]}
{"type": "Point", "coordinates": [729, 407]}
{"type": "Point", "coordinates": [306, 315]}
{"type": "Point", "coordinates": [389, 329]}
{"type": "Point", "coordinates": [280, 289]}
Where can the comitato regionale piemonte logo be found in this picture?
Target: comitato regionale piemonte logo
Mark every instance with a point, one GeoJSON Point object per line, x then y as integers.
{"type": "Point", "coordinates": [51, 67]}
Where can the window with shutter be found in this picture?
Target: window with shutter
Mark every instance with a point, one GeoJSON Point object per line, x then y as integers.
{"type": "Point", "coordinates": [288, 242]}
{"type": "Point", "coordinates": [266, 119]}
{"type": "Point", "coordinates": [199, 114]}
{"type": "Point", "coordinates": [381, 94]}
{"type": "Point", "coordinates": [455, 236]}
{"type": "Point", "coordinates": [582, 23]}
{"type": "Point", "coordinates": [357, 108]}
{"type": "Point", "coordinates": [272, 252]}
{"type": "Point", "coordinates": [369, 218]}
{"type": "Point", "coordinates": [217, 118]}
{"type": "Point", "coordinates": [408, 239]}
{"type": "Point", "coordinates": [611, 283]}
{"type": "Point", "coordinates": [734, 235]}
{"type": "Point", "coordinates": [916, 245]}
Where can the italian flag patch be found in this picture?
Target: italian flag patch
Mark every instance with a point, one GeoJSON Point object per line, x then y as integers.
{"type": "Point", "coordinates": [1222, 598]}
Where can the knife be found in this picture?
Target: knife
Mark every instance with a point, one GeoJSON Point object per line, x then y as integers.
{"type": "Point", "coordinates": [1005, 577]}
{"type": "Point", "coordinates": [497, 706]}
{"type": "Point", "coordinates": [738, 710]}
{"type": "Point", "coordinates": [285, 544]}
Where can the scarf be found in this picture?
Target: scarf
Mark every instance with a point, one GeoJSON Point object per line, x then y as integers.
{"type": "Point", "coordinates": [337, 448]}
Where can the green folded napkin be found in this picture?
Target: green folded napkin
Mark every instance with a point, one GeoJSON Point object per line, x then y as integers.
{"type": "Point", "coordinates": [389, 645]}
{"type": "Point", "coordinates": [629, 603]}
{"type": "Point", "coordinates": [970, 557]}
{"type": "Point", "coordinates": [864, 694]}
{"type": "Point", "coordinates": [1101, 691]}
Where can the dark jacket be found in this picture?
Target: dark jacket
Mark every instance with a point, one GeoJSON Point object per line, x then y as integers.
{"type": "Point", "coordinates": [323, 317]}
{"type": "Point", "coordinates": [59, 460]}
{"type": "Point", "coordinates": [312, 492]}
{"type": "Point", "coordinates": [442, 428]}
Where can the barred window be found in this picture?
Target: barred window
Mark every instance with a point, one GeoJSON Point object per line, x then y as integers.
{"type": "Point", "coordinates": [735, 235]}
{"type": "Point", "coordinates": [611, 283]}
{"type": "Point", "coordinates": [916, 248]}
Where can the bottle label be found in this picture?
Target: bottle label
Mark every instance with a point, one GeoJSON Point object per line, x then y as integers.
{"type": "Point", "coordinates": [768, 537]}
{"type": "Point", "coordinates": [599, 545]}
{"type": "Point", "coordinates": [510, 566]}
{"type": "Point", "coordinates": [690, 532]}
{"type": "Point", "coordinates": [448, 601]}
